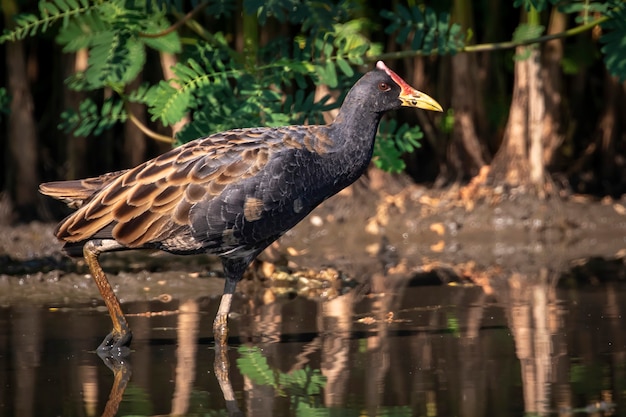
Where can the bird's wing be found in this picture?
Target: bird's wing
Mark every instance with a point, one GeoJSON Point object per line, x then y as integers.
{"type": "Point", "coordinates": [142, 204]}
{"type": "Point", "coordinates": [75, 193]}
{"type": "Point", "coordinates": [152, 201]}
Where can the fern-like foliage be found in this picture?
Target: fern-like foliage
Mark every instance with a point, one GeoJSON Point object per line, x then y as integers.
{"type": "Point", "coordinates": [254, 365]}
{"type": "Point", "coordinates": [239, 99]}
{"type": "Point", "coordinates": [586, 11]}
{"type": "Point", "coordinates": [213, 84]}
{"type": "Point", "coordinates": [170, 100]}
{"type": "Point", "coordinates": [5, 101]}
{"type": "Point", "coordinates": [91, 119]}
{"type": "Point", "coordinates": [302, 385]}
{"type": "Point", "coordinates": [114, 36]}
{"type": "Point", "coordinates": [50, 12]}
{"type": "Point", "coordinates": [539, 5]}
{"type": "Point", "coordinates": [424, 30]}
{"type": "Point", "coordinates": [112, 31]}
{"type": "Point", "coordinates": [524, 32]}
{"type": "Point", "coordinates": [283, 10]}
{"type": "Point", "coordinates": [392, 142]}
{"type": "Point", "coordinates": [614, 40]}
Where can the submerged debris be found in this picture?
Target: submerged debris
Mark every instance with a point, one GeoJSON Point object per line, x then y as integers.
{"type": "Point", "coordinates": [309, 283]}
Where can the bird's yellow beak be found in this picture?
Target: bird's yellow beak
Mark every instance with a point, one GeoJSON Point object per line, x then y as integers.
{"type": "Point", "coordinates": [411, 97]}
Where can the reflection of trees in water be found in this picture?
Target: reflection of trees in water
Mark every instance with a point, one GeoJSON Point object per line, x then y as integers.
{"type": "Point", "coordinates": [27, 336]}
{"type": "Point", "coordinates": [187, 337]}
{"type": "Point", "coordinates": [395, 342]}
{"type": "Point", "coordinates": [534, 316]}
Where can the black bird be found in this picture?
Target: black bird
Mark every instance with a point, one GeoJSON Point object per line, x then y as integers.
{"type": "Point", "coordinates": [231, 194]}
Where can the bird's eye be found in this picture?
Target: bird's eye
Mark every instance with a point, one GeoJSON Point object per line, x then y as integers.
{"type": "Point", "coordinates": [383, 86]}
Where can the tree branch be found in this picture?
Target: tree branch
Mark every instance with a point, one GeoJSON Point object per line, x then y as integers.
{"type": "Point", "coordinates": [178, 24]}
{"type": "Point", "coordinates": [498, 46]}
{"type": "Point", "coordinates": [147, 131]}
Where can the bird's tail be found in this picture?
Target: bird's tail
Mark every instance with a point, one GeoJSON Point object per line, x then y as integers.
{"type": "Point", "coordinates": [75, 193]}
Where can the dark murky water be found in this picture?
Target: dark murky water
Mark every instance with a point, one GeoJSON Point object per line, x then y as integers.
{"type": "Point", "coordinates": [416, 348]}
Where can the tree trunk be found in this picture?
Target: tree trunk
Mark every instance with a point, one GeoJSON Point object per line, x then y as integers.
{"type": "Point", "coordinates": [493, 79]}
{"type": "Point", "coordinates": [466, 151]}
{"type": "Point", "coordinates": [553, 122]}
{"type": "Point", "coordinates": [606, 134]}
{"type": "Point", "coordinates": [536, 112]}
{"type": "Point", "coordinates": [167, 62]}
{"type": "Point", "coordinates": [22, 134]}
{"type": "Point", "coordinates": [465, 143]}
{"type": "Point", "coordinates": [418, 166]}
{"type": "Point", "coordinates": [519, 161]}
{"type": "Point", "coordinates": [134, 139]}
{"type": "Point", "coordinates": [76, 145]}
{"type": "Point", "coordinates": [322, 91]}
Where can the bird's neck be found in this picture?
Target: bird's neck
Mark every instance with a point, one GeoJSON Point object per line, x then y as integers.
{"type": "Point", "coordinates": [356, 127]}
{"type": "Point", "coordinates": [354, 133]}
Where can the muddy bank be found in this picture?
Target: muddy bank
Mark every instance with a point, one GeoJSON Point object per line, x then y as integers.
{"type": "Point", "coordinates": [381, 225]}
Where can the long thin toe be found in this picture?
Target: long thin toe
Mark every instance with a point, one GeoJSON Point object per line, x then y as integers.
{"type": "Point", "coordinates": [116, 344]}
{"type": "Point", "coordinates": [220, 329]}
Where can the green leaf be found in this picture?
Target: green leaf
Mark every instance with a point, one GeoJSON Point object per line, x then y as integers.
{"type": "Point", "coordinates": [430, 19]}
{"type": "Point", "coordinates": [5, 101]}
{"type": "Point", "coordinates": [50, 12]}
{"type": "Point", "coordinates": [392, 142]}
{"type": "Point", "coordinates": [426, 32]}
{"type": "Point", "coordinates": [115, 58]}
{"type": "Point", "coordinates": [90, 120]}
{"type": "Point", "coordinates": [220, 8]}
{"type": "Point", "coordinates": [168, 43]}
{"type": "Point", "coordinates": [524, 55]}
{"type": "Point", "coordinates": [540, 5]}
{"type": "Point", "coordinates": [253, 365]}
{"type": "Point", "coordinates": [614, 42]}
{"type": "Point", "coordinates": [526, 31]}
{"type": "Point", "coordinates": [327, 74]}
{"type": "Point", "coordinates": [168, 104]}
{"type": "Point", "coordinates": [387, 157]}
{"type": "Point", "coordinates": [442, 33]}
{"type": "Point", "coordinates": [82, 32]}
{"type": "Point", "coordinates": [345, 67]}
{"type": "Point", "coordinates": [282, 10]}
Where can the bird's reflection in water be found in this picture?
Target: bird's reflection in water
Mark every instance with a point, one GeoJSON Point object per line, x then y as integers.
{"type": "Point", "coordinates": [318, 340]}
{"type": "Point", "coordinates": [122, 372]}
{"type": "Point", "coordinates": [330, 322]}
{"type": "Point", "coordinates": [188, 321]}
{"type": "Point", "coordinates": [121, 368]}
{"type": "Point", "coordinates": [222, 373]}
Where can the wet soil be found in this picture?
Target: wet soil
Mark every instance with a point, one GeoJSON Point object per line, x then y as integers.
{"type": "Point", "coordinates": [381, 225]}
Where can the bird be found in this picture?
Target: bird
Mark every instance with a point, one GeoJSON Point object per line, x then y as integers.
{"type": "Point", "coordinates": [230, 194]}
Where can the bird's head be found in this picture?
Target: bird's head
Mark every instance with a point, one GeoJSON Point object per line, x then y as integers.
{"type": "Point", "coordinates": [385, 90]}
{"type": "Point", "coordinates": [408, 96]}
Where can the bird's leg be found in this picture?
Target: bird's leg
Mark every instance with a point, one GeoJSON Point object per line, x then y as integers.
{"type": "Point", "coordinates": [221, 366]}
{"type": "Point", "coordinates": [121, 335]}
{"type": "Point", "coordinates": [220, 324]}
{"type": "Point", "coordinates": [121, 376]}
{"type": "Point", "coordinates": [233, 269]}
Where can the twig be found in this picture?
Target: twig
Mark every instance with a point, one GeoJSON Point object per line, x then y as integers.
{"type": "Point", "coordinates": [147, 131]}
{"type": "Point", "coordinates": [178, 23]}
{"type": "Point", "coordinates": [498, 46]}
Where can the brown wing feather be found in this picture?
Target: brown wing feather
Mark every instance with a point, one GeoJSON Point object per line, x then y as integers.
{"type": "Point", "coordinates": [74, 193]}
{"type": "Point", "coordinates": [151, 200]}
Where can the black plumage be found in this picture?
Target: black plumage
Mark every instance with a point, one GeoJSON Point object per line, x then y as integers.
{"type": "Point", "coordinates": [230, 194]}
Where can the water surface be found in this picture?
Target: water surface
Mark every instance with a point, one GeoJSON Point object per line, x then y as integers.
{"type": "Point", "coordinates": [538, 345]}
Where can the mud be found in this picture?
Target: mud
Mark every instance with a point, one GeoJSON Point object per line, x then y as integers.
{"type": "Point", "coordinates": [381, 225]}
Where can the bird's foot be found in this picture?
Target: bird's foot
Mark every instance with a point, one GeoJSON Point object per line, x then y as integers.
{"type": "Point", "coordinates": [115, 363]}
{"type": "Point", "coordinates": [116, 344]}
{"type": "Point", "coordinates": [220, 330]}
